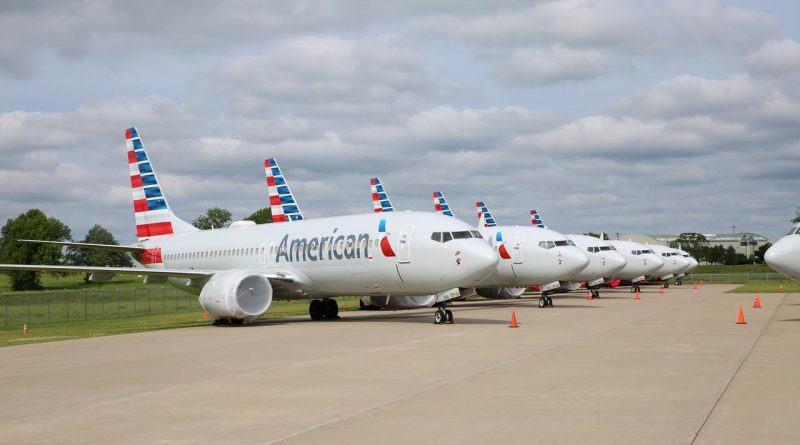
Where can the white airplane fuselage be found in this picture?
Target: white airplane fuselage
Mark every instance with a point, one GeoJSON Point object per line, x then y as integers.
{"type": "Point", "coordinates": [674, 262]}
{"type": "Point", "coordinates": [784, 255]}
{"type": "Point", "coordinates": [604, 261]}
{"type": "Point", "coordinates": [338, 256]}
{"type": "Point", "coordinates": [639, 264]}
{"type": "Point", "coordinates": [531, 259]}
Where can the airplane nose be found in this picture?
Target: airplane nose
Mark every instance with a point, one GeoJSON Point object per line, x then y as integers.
{"type": "Point", "coordinates": [480, 260]}
{"type": "Point", "coordinates": [780, 257]}
{"type": "Point", "coordinates": [617, 262]}
{"type": "Point", "coordinates": [654, 263]}
{"type": "Point", "coordinates": [574, 261]}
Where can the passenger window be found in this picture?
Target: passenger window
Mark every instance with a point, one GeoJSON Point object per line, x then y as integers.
{"type": "Point", "coordinates": [446, 237]}
{"type": "Point", "coordinates": [437, 236]}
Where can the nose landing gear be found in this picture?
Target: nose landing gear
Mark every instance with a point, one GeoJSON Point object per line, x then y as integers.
{"type": "Point", "coordinates": [545, 300]}
{"type": "Point", "coordinates": [635, 288]}
{"type": "Point", "coordinates": [443, 316]}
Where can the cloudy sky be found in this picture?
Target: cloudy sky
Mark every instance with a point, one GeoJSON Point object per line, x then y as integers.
{"type": "Point", "coordinates": [605, 115]}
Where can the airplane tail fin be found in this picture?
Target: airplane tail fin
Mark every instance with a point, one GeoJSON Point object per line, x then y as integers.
{"type": "Point", "coordinates": [153, 214]}
{"type": "Point", "coordinates": [380, 200]}
{"type": "Point", "coordinates": [485, 218]}
{"type": "Point", "coordinates": [281, 200]}
{"type": "Point", "coordinates": [440, 204]}
{"type": "Point", "coordinates": [536, 220]}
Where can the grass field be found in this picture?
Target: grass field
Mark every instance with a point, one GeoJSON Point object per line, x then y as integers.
{"type": "Point", "coordinates": [97, 328]}
{"type": "Point", "coordinates": [742, 268]}
{"type": "Point", "coordinates": [767, 287]}
{"type": "Point", "coordinates": [75, 281]}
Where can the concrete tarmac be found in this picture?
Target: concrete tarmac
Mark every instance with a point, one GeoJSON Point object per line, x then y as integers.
{"type": "Point", "coordinates": [672, 368]}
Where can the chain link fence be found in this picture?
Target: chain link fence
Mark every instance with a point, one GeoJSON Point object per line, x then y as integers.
{"type": "Point", "coordinates": [734, 278]}
{"type": "Point", "coordinates": [62, 306]}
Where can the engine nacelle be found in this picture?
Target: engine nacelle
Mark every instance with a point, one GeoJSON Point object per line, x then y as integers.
{"type": "Point", "coordinates": [236, 295]}
{"type": "Point", "coordinates": [503, 293]}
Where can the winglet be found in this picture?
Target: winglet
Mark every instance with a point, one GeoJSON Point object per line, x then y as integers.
{"type": "Point", "coordinates": [153, 214]}
{"type": "Point", "coordinates": [440, 204]}
{"type": "Point", "coordinates": [281, 200]}
{"type": "Point", "coordinates": [485, 218]}
{"type": "Point", "coordinates": [536, 220]}
{"type": "Point", "coordinates": [380, 200]}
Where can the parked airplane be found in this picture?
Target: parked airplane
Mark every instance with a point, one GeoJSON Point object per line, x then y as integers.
{"type": "Point", "coordinates": [604, 260]}
{"type": "Point", "coordinates": [641, 262]}
{"type": "Point", "coordinates": [238, 271]}
{"type": "Point", "coordinates": [784, 255]}
{"type": "Point", "coordinates": [674, 264]}
{"type": "Point", "coordinates": [693, 263]}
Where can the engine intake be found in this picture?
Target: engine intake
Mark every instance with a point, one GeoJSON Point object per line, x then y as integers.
{"type": "Point", "coordinates": [236, 295]}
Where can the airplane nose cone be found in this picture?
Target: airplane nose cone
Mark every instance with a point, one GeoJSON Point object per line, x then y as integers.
{"type": "Point", "coordinates": [574, 261]}
{"type": "Point", "coordinates": [654, 263]}
{"type": "Point", "coordinates": [480, 260]}
{"type": "Point", "coordinates": [781, 258]}
{"type": "Point", "coordinates": [617, 262]}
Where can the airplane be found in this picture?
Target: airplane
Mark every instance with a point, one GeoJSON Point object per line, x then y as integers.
{"type": "Point", "coordinates": [604, 260]}
{"type": "Point", "coordinates": [693, 263]}
{"type": "Point", "coordinates": [674, 264]}
{"type": "Point", "coordinates": [532, 263]}
{"type": "Point", "coordinates": [238, 271]}
{"type": "Point", "coordinates": [784, 255]}
{"type": "Point", "coordinates": [641, 262]}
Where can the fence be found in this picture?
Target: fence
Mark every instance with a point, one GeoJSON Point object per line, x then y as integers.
{"type": "Point", "coordinates": [735, 278]}
{"type": "Point", "coordinates": [37, 308]}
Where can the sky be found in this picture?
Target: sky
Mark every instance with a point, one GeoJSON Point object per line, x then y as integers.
{"type": "Point", "coordinates": [604, 115]}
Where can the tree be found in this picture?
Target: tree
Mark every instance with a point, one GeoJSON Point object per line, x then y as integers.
{"type": "Point", "coordinates": [730, 256]}
{"type": "Point", "coordinates": [691, 242]}
{"type": "Point", "coordinates": [95, 257]}
{"type": "Point", "coordinates": [33, 224]}
{"type": "Point", "coordinates": [215, 218]}
{"type": "Point", "coordinates": [601, 235]}
{"type": "Point", "coordinates": [761, 251]}
{"type": "Point", "coordinates": [261, 216]}
{"type": "Point", "coordinates": [796, 218]}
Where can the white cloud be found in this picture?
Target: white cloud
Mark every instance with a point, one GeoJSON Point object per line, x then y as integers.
{"type": "Point", "coordinates": [776, 57]}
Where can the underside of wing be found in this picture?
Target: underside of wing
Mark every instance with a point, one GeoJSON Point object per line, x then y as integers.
{"type": "Point", "coordinates": [110, 247]}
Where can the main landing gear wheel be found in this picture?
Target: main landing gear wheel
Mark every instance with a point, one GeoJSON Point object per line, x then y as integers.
{"type": "Point", "coordinates": [678, 282]}
{"type": "Point", "coordinates": [316, 310]}
{"type": "Point", "coordinates": [331, 309]}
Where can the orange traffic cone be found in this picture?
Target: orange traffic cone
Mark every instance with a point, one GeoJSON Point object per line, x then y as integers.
{"type": "Point", "coordinates": [637, 295]}
{"type": "Point", "coordinates": [781, 287]}
{"type": "Point", "coordinates": [205, 315]}
{"type": "Point", "coordinates": [589, 297]}
{"type": "Point", "coordinates": [694, 285]}
{"type": "Point", "coordinates": [25, 328]}
{"type": "Point", "coordinates": [756, 303]}
{"type": "Point", "coordinates": [513, 320]}
{"type": "Point", "coordinates": [660, 290]}
{"type": "Point", "coordinates": [701, 283]}
{"type": "Point", "coordinates": [741, 316]}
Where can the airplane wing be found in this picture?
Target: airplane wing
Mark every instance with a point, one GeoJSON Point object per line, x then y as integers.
{"type": "Point", "coordinates": [106, 273]}
{"type": "Point", "coordinates": [111, 247]}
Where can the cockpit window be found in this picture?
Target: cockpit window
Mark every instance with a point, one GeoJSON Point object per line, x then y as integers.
{"type": "Point", "coordinates": [547, 244]}
{"type": "Point", "coordinates": [446, 237]}
{"type": "Point", "coordinates": [605, 248]}
{"type": "Point", "coordinates": [562, 243]}
{"type": "Point", "coordinates": [476, 234]}
{"type": "Point", "coordinates": [437, 236]}
{"type": "Point", "coordinates": [462, 235]}
{"type": "Point", "coordinates": [636, 252]}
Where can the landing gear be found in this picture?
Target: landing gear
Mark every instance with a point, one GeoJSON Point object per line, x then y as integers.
{"type": "Point", "coordinates": [635, 288]}
{"type": "Point", "coordinates": [595, 293]}
{"type": "Point", "coordinates": [678, 281]}
{"type": "Point", "coordinates": [443, 316]}
{"type": "Point", "coordinates": [545, 301]}
{"type": "Point", "coordinates": [665, 285]}
{"type": "Point", "coordinates": [326, 309]}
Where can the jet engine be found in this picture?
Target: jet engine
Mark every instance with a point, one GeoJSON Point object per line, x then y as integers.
{"type": "Point", "coordinates": [504, 293]}
{"type": "Point", "coordinates": [236, 296]}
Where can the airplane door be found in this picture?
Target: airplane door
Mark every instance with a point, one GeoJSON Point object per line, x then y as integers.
{"type": "Point", "coordinates": [516, 255]}
{"type": "Point", "coordinates": [404, 250]}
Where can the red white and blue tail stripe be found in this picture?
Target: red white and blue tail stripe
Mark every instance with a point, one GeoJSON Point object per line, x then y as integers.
{"type": "Point", "coordinates": [153, 215]}
{"type": "Point", "coordinates": [536, 220]}
{"type": "Point", "coordinates": [485, 218]}
{"type": "Point", "coordinates": [281, 200]}
{"type": "Point", "coordinates": [440, 204]}
{"type": "Point", "coordinates": [380, 200]}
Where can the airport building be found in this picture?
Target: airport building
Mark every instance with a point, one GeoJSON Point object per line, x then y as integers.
{"type": "Point", "coordinates": [745, 243]}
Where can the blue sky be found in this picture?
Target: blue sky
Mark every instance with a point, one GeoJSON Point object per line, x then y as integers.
{"type": "Point", "coordinates": [608, 115]}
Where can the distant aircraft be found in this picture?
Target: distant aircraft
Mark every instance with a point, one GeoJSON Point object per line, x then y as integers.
{"type": "Point", "coordinates": [784, 255]}
{"type": "Point", "coordinates": [604, 260]}
{"type": "Point", "coordinates": [641, 262]}
{"type": "Point", "coordinates": [693, 263]}
{"type": "Point", "coordinates": [674, 265]}
{"type": "Point", "coordinates": [238, 271]}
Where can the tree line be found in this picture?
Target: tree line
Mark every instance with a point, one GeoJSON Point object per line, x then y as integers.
{"type": "Point", "coordinates": [36, 225]}
{"type": "Point", "coordinates": [697, 245]}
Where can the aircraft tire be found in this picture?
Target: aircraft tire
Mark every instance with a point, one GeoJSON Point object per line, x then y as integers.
{"type": "Point", "coordinates": [439, 317]}
{"type": "Point", "coordinates": [331, 309]}
{"type": "Point", "coordinates": [542, 302]}
{"type": "Point", "coordinates": [448, 315]}
{"type": "Point", "coordinates": [316, 310]}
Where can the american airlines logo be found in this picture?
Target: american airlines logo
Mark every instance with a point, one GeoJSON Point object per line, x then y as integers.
{"type": "Point", "coordinates": [323, 248]}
